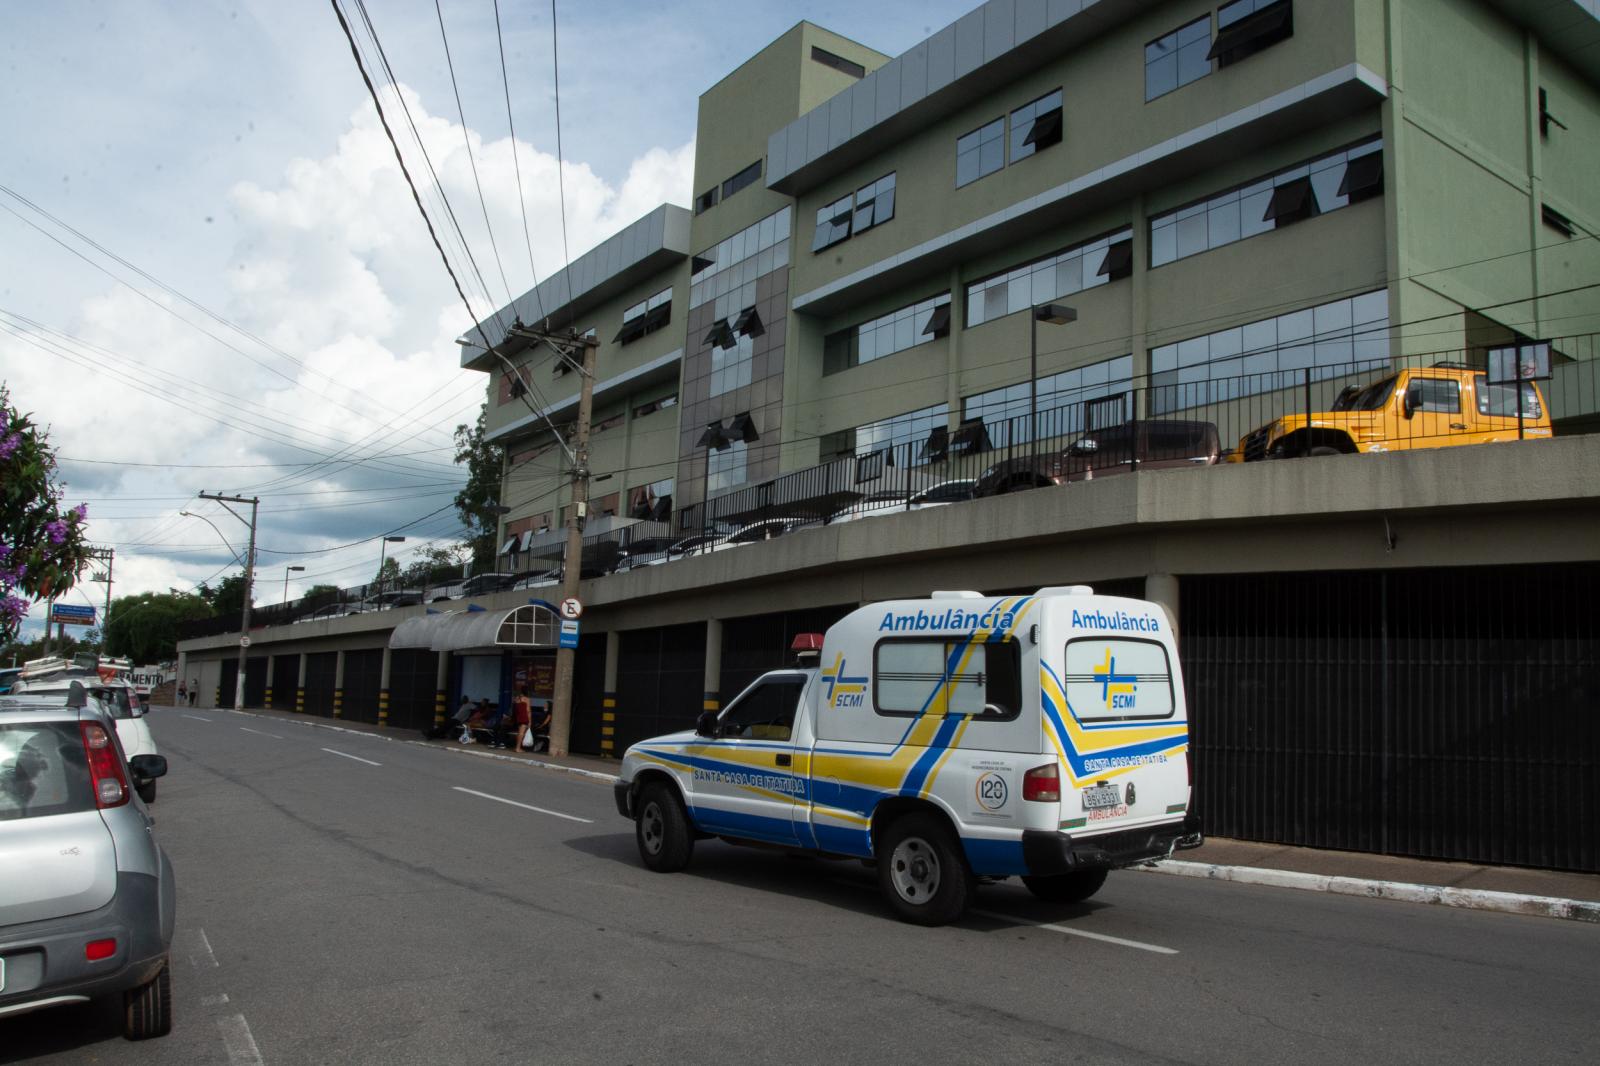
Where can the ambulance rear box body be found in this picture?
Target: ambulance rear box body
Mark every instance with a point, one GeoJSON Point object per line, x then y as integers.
{"type": "Point", "coordinates": [944, 740]}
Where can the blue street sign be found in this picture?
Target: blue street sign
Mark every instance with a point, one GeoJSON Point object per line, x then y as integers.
{"type": "Point", "coordinates": [569, 633]}
{"type": "Point", "coordinates": [72, 614]}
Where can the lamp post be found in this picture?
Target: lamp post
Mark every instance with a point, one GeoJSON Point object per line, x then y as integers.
{"type": "Point", "coordinates": [1058, 314]}
{"type": "Point", "coordinates": [249, 580]}
{"type": "Point", "coordinates": [384, 547]}
{"type": "Point", "coordinates": [286, 572]}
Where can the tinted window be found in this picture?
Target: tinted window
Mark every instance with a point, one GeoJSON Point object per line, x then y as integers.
{"type": "Point", "coordinates": [948, 676]}
{"type": "Point", "coordinates": [43, 771]}
{"type": "Point", "coordinates": [1500, 400]}
{"type": "Point", "coordinates": [1435, 394]}
{"type": "Point", "coordinates": [766, 712]}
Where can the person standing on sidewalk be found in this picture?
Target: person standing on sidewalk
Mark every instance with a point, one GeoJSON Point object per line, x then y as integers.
{"type": "Point", "coordinates": [183, 694]}
{"type": "Point", "coordinates": [522, 712]}
{"type": "Point", "coordinates": [194, 690]}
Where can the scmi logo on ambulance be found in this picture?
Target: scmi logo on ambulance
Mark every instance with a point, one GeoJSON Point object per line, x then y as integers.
{"type": "Point", "coordinates": [842, 691]}
{"type": "Point", "coordinates": [1118, 678]}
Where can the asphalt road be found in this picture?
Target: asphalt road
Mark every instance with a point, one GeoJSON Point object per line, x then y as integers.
{"type": "Point", "coordinates": [348, 899]}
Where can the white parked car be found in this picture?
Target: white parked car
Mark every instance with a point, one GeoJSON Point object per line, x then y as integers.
{"type": "Point", "coordinates": [47, 677]}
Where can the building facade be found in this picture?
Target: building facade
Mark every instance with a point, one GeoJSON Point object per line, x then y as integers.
{"type": "Point", "coordinates": [1237, 202]}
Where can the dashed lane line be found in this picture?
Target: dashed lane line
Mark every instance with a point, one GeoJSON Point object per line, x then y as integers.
{"type": "Point", "coordinates": [203, 959]}
{"type": "Point", "coordinates": [259, 733]}
{"type": "Point", "coordinates": [347, 755]}
{"type": "Point", "coordinates": [241, 1046]}
{"type": "Point", "coordinates": [197, 718]}
{"type": "Point", "coordinates": [1069, 931]}
{"type": "Point", "coordinates": [524, 806]}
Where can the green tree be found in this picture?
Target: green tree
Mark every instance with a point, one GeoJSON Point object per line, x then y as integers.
{"type": "Point", "coordinates": [42, 546]}
{"type": "Point", "coordinates": [388, 575]}
{"type": "Point", "coordinates": [478, 499]}
{"type": "Point", "coordinates": [227, 599]}
{"type": "Point", "coordinates": [145, 627]}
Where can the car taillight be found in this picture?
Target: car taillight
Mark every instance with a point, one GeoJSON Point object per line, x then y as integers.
{"type": "Point", "coordinates": [105, 766]}
{"type": "Point", "coordinates": [95, 950]}
{"type": "Point", "coordinates": [1042, 783]}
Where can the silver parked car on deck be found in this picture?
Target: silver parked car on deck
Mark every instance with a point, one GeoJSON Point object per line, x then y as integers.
{"type": "Point", "coordinates": [87, 897]}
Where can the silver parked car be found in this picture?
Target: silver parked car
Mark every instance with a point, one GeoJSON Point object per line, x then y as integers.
{"type": "Point", "coordinates": [87, 897]}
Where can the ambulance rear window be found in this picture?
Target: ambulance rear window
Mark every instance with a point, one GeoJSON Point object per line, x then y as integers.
{"type": "Point", "coordinates": [947, 676]}
{"type": "Point", "coordinates": [1118, 680]}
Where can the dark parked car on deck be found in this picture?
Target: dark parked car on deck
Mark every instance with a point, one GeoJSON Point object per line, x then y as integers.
{"type": "Point", "coordinates": [1156, 445]}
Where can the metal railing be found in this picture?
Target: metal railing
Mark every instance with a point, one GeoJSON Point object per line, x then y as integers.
{"type": "Point", "coordinates": [1183, 419]}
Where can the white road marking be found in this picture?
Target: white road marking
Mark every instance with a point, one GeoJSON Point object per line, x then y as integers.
{"type": "Point", "coordinates": [347, 755]}
{"type": "Point", "coordinates": [204, 959]}
{"type": "Point", "coordinates": [214, 1001]}
{"type": "Point", "coordinates": [197, 718]}
{"type": "Point", "coordinates": [259, 733]}
{"type": "Point", "coordinates": [1069, 931]}
{"type": "Point", "coordinates": [242, 1050]}
{"type": "Point", "coordinates": [525, 806]}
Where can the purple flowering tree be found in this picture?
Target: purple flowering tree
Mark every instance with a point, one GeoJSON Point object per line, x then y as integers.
{"type": "Point", "coordinates": [42, 544]}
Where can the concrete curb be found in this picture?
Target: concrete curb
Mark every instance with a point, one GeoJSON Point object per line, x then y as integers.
{"type": "Point", "coordinates": [1468, 898]}
{"type": "Point", "coordinates": [459, 749]}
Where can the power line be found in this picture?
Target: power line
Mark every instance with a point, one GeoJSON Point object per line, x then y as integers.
{"type": "Point", "coordinates": [561, 159]}
{"type": "Point", "coordinates": [522, 203]}
{"type": "Point", "coordinates": [471, 159]}
{"type": "Point", "coordinates": [404, 170]}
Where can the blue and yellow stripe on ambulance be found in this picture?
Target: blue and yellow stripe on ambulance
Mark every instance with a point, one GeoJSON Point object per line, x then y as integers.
{"type": "Point", "coordinates": [744, 758]}
{"type": "Point", "coordinates": [912, 765]}
{"type": "Point", "coordinates": [1074, 744]}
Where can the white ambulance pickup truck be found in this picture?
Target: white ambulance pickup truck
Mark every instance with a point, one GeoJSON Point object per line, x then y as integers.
{"type": "Point", "coordinates": [945, 740]}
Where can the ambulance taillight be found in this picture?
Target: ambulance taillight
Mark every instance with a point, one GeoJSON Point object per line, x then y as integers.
{"type": "Point", "coordinates": [1042, 783]}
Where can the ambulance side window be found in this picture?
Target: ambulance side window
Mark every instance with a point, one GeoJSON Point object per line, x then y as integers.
{"type": "Point", "coordinates": [766, 712]}
{"type": "Point", "coordinates": [945, 676]}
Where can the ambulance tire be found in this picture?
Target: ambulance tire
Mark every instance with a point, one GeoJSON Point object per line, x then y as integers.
{"type": "Point", "coordinates": [662, 829]}
{"type": "Point", "coordinates": [922, 870]}
{"type": "Point", "coordinates": [1066, 888]}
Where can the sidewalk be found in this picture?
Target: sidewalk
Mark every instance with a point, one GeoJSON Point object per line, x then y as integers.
{"type": "Point", "coordinates": [1219, 858]}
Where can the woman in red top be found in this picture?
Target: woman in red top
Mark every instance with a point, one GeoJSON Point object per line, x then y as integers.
{"type": "Point", "coordinates": [523, 712]}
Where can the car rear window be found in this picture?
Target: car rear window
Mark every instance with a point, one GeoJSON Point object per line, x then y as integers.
{"type": "Point", "coordinates": [43, 771]}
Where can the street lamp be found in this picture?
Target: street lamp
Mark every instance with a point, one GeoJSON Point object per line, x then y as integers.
{"type": "Point", "coordinates": [286, 571]}
{"type": "Point", "coordinates": [213, 525]}
{"type": "Point", "coordinates": [1058, 314]}
{"type": "Point", "coordinates": [384, 547]}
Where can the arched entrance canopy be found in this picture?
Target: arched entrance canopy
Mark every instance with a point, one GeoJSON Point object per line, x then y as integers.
{"type": "Point", "coordinates": [532, 625]}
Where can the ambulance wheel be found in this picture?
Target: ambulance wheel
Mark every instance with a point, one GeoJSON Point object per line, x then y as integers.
{"type": "Point", "coordinates": [922, 870]}
{"type": "Point", "coordinates": [1066, 888]}
{"type": "Point", "coordinates": [662, 829]}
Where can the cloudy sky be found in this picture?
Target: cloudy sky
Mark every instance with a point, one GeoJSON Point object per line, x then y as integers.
{"type": "Point", "coordinates": [212, 275]}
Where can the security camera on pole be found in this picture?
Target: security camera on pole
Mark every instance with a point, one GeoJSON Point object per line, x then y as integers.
{"type": "Point", "coordinates": [572, 556]}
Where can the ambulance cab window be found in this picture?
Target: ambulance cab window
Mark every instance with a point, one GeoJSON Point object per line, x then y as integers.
{"type": "Point", "coordinates": [944, 676]}
{"type": "Point", "coordinates": [765, 712]}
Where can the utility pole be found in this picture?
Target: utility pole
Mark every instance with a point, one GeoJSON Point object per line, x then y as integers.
{"type": "Point", "coordinates": [108, 556]}
{"type": "Point", "coordinates": [572, 555]}
{"type": "Point", "coordinates": [249, 576]}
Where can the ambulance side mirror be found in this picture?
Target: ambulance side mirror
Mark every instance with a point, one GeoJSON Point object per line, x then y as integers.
{"type": "Point", "coordinates": [706, 724]}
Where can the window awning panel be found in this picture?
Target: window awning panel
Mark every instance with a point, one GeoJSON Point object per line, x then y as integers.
{"type": "Point", "coordinates": [527, 626]}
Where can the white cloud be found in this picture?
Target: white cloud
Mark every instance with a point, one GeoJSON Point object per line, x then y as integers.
{"type": "Point", "coordinates": [334, 266]}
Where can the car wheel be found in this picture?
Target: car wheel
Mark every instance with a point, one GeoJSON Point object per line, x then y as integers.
{"type": "Point", "coordinates": [922, 871]}
{"type": "Point", "coordinates": [662, 829]}
{"type": "Point", "coordinates": [1074, 887]}
{"type": "Point", "coordinates": [146, 790]}
{"type": "Point", "coordinates": [148, 1008]}
{"type": "Point", "coordinates": [1324, 449]}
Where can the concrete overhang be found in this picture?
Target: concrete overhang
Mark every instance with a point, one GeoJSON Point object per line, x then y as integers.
{"type": "Point", "coordinates": [1348, 90]}
{"type": "Point", "coordinates": [664, 368]}
{"type": "Point", "coordinates": [1569, 28]}
{"type": "Point", "coordinates": [972, 57]}
{"type": "Point", "coordinates": [652, 245]}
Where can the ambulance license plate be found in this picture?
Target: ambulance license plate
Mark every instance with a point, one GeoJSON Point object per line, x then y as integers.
{"type": "Point", "coordinates": [1099, 796]}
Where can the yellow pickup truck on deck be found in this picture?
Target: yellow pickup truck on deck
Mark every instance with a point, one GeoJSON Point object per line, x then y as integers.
{"type": "Point", "coordinates": [1434, 407]}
